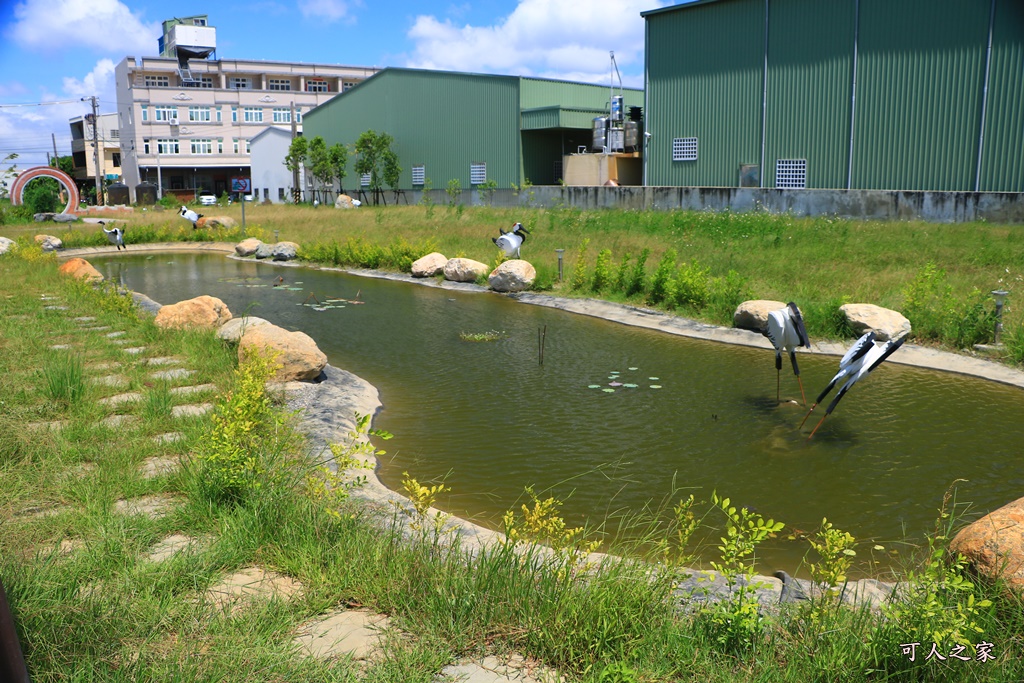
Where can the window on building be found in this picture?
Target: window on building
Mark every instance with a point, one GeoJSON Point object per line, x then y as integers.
{"type": "Point", "coordinates": [316, 85]}
{"type": "Point", "coordinates": [684, 149]}
{"type": "Point", "coordinates": [115, 134]}
{"type": "Point", "coordinates": [253, 115]}
{"type": "Point", "coordinates": [240, 83]}
{"type": "Point", "coordinates": [282, 115]}
{"type": "Point", "coordinates": [280, 193]}
{"type": "Point", "coordinates": [279, 84]}
{"type": "Point", "coordinates": [248, 149]}
{"type": "Point", "coordinates": [266, 194]}
{"type": "Point", "coordinates": [348, 85]}
{"type": "Point", "coordinates": [202, 146]}
{"type": "Point", "coordinates": [234, 114]}
{"type": "Point", "coordinates": [219, 116]}
{"type": "Point", "coordinates": [298, 115]}
{"type": "Point", "coordinates": [199, 22]}
{"type": "Point", "coordinates": [165, 113]}
{"type": "Point", "coordinates": [116, 159]}
{"type": "Point", "coordinates": [478, 173]}
{"type": "Point", "coordinates": [419, 174]}
{"type": "Point", "coordinates": [158, 81]}
{"type": "Point", "coordinates": [145, 113]}
{"type": "Point", "coordinates": [220, 145]}
{"type": "Point", "coordinates": [234, 145]}
{"type": "Point", "coordinates": [79, 159]}
{"type": "Point", "coordinates": [167, 146]}
{"type": "Point", "coordinates": [200, 82]}
{"type": "Point", "coordinates": [199, 114]}
{"type": "Point", "coordinates": [364, 180]}
{"type": "Point", "coordinates": [791, 174]}
{"type": "Point", "coordinates": [145, 145]}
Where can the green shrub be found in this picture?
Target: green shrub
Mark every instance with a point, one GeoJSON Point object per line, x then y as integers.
{"type": "Point", "coordinates": [42, 195]}
{"type": "Point", "coordinates": [691, 286]}
{"type": "Point", "coordinates": [638, 275]}
{"type": "Point", "coordinates": [622, 276]}
{"type": "Point", "coordinates": [602, 271]}
{"type": "Point", "coordinates": [579, 272]}
{"type": "Point", "coordinates": [63, 378]}
{"type": "Point", "coordinates": [661, 283]}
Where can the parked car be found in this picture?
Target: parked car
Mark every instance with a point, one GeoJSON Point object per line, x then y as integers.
{"type": "Point", "coordinates": [207, 199]}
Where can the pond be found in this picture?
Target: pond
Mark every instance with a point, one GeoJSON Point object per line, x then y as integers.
{"type": "Point", "coordinates": [488, 419]}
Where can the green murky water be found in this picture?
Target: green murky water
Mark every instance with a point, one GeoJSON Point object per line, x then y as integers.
{"type": "Point", "coordinates": [489, 420]}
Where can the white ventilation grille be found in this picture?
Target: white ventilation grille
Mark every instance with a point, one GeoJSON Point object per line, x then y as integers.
{"type": "Point", "coordinates": [791, 174]}
{"type": "Point", "coordinates": [364, 180]}
{"type": "Point", "coordinates": [478, 173]}
{"type": "Point", "coordinates": [684, 149]}
{"type": "Point", "coordinates": [419, 175]}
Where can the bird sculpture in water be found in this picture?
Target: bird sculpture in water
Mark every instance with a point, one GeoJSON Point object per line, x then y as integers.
{"type": "Point", "coordinates": [786, 332]}
{"type": "Point", "coordinates": [510, 242]}
{"type": "Point", "coordinates": [863, 357]}
{"type": "Point", "coordinates": [115, 236]}
{"type": "Point", "coordinates": [190, 215]}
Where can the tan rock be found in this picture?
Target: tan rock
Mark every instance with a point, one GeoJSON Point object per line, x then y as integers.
{"type": "Point", "coordinates": [49, 242]}
{"type": "Point", "coordinates": [232, 330]}
{"type": "Point", "coordinates": [247, 247]}
{"type": "Point", "coordinates": [203, 311]}
{"type": "Point", "coordinates": [430, 265]}
{"type": "Point", "coordinates": [80, 268]}
{"type": "Point", "coordinates": [753, 315]}
{"type": "Point", "coordinates": [464, 270]}
{"type": "Point", "coordinates": [345, 202]}
{"type": "Point", "coordinates": [885, 323]}
{"type": "Point", "coordinates": [297, 355]}
{"type": "Point", "coordinates": [217, 222]}
{"type": "Point", "coordinates": [512, 276]}
{"type": "Point", "coordinates": [995, 544]}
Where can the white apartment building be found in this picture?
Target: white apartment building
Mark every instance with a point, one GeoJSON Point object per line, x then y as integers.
{"type": "Point", "coordinates": [186, 122]}
{"type": "Point", "coordinates": [108, 135]}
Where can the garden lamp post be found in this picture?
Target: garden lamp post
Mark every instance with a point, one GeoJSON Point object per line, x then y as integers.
{"type": "Point", "coordinates": [1000, 296]}
{"type": "Point", "coordinates": [560, 252]}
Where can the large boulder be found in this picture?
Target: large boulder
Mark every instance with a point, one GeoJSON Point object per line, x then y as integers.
{"type": "Point", "coordinates": [247, 247]}
{"type": "Point", "coordinates": [65, 218]}
{"type": "Point", "coordinates": [512, 276]}
{"type": "Point", "coordinates": [296, 354]}
{"type": "Point", "coordinates": [430, 265]}
{"type": "Point", "coordinates": [80, 268]}
{"type": "Point", "coordinates": [216, 222]}
{"type": "Point", "coordinates": [6, 245]}
{"type": "Point", "coordinates": [49, 242]}
{"type": "Point", "coordinates": [464, 270]}
{"type": "Point", "coordinates": [885, 323]}
{"type": "Point", "coordinates": [753, 315]}
{"type": "Point", "coordinates": [263, 251]}
{"type": "Point", "coordinates": [345, 202]}
{"type": "Point", "coordinates": [203, 312]}
{"type": "Point", "coordinates": [284, 251]}
{"type": "Point", "coordinates": [994, 544]}
{"type": "Point", "coordinates": [232, 330]}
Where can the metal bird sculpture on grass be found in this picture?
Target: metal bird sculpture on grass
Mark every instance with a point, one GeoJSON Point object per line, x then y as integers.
{"type": "Point", "coordinates": [861, 360]}
{"type": "Point", "coordinates": [115, 236]}
{"type": "Point", "coordinates": [510, 242]}
{"type": "Point", "coordinates": [190, 215]}
{"type": "Point", "coordinates": [786, 332]}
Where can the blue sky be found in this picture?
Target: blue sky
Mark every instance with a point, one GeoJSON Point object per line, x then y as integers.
{"type": "Point", "coordinates": [63, 50]}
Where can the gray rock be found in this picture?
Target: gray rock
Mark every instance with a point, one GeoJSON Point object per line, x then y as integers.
{"type": "Point", "coordinates": [42, 217]}
{"type": "Point", "coordinates": [284, 251]}
{"type": "Point", "coordinates": [6, 245]}
{"type": "Point", "coordinates": [65, 218]}
{"type": "Point", "coordinates": [49, 242]}
{"type": "Point", "coordinates": [263, 251]}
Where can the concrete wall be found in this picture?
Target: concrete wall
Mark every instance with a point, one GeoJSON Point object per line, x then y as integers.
{"type": "Point", "coordinates": [940, 207]}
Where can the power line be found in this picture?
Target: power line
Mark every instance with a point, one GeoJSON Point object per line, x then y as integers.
{"type": "Point", "coordinates": [37, 104]}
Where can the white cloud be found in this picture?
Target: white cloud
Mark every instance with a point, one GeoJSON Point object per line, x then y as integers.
{"type": "Point", "coordinates": [99, 81]}
{"type": "Point", "coordinates": [550, 38]}
{"type": "Point", "coordinates": [103, 25]}
{"type": "Point", "coordinates": [329, 10]}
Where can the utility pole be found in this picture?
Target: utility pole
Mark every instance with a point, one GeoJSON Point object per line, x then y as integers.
{"type": "Point", "coordinates": [296, 191]}
{"type": "Point", "coordinates": [96, 147]}
{"type": "Point", "coordinates": [53, 136]}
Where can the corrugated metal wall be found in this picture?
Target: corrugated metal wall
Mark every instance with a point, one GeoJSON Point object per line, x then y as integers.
{"type": "Point", "coordinates": [920, 73]}
{"type": "Point", "coordinates": [704, 80]}
{"type": "Point", "coordinates": [445, 121]}
{"type": "Point", "coordinates": [538, 92]}
{"type": "Point", "coordinates": [810, 70]}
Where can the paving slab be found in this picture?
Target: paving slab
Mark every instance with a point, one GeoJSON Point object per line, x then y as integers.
{"type": "Point", "coordinates": [154, 507]}
{"type": "Point", "coordinates": [190, 390]}
{"type": "Point", "coordinates": [121, 342]}
{"type": "Point", "coordinates": [102, 366]}
{"type": "Point", "coordinates": [174, 373]}
{"type": "Point", "coordinates": [355, 633]}
{"type": "Point", "coordinates": [60, 347]}
{"type": "Point", "coordinates": [116, 381]}
{"type": "Point", "coordinates": [113, 335]}
{"type": "Point", "coordinates": [118, 421]}
{"type": "Point", "coordinates": [161, 360]}
{"type": "Point", "coordinates": [96, 328]}
{"type": "Point", "coordinates": [53, 426]}
{"type": "Point", "coordinates": [171, 546]}
{"type": "Point", "coordinates": [56, 308]}
{"type": "Point", "coordinates": [514, 669]}
{"type": "Point", "coordinates": [85, 319]}
{"type": "Point", "coordinates": [134, 350]}
{"type": "Point", "coordinates": [158, 466]}
{"type": "Point", "coordinates": [120, 399]}
{"type": "Point", "coordinates": [42, 510]}
{"type": "Point", "coordinates": [169, 437]}
{"type": "Point", "coordinates": [192, 410]}
{"type": "Point", "coordinates": [251, 583]}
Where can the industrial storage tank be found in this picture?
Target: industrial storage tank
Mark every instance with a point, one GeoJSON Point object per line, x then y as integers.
{"type": "Point", "coordinates": [145, 193]}
{"type": "Point", "coordinates": [617, 101]}
{"type": "Point", "coordinates": [600, 140]}
{"type": "Point", "coordinates": [117, 194]}
{"type": "Point", "coordinates": [632, 135]}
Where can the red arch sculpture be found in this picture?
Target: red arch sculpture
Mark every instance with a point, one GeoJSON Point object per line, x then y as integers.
{"type": "Point", "coordinates": [66, 181]}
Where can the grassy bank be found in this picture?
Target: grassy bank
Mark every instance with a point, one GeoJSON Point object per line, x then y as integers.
{"type": "Point", "coordinates": [700, 264]}
{"type": "Point", "coordinates": [92, 602]}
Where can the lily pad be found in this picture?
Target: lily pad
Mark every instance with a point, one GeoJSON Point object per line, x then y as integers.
{"type": "Point", "coordinates": [594, 386]}
{"type": "Point", "coordinates": [608, 391]}
{"type": "Point", "coordinates": [654, 379]}
{"type": "Point", "coordinates": [319, 308]}
{"type": "Point", "coordinates": [630, 386]}
{"type": "Point", "coordinates": [655, 386]}
{"type": "Point", "coordinates": [634, 368]}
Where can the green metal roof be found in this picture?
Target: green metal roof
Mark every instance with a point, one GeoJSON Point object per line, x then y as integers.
{"type": "Point", "coordinates": [673, 8]}
{"type": "Point", "coordinates": [544, 118]}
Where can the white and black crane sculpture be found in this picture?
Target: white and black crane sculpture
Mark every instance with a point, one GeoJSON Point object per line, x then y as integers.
{"type": "Point", "coordinates": [190, 215]}
{"type": "Point", "coordinates": [863, 357]}
{"type": "Point", "coordinates": [510, 242]}
{"type": "Point", "coordinates": [115, 236]}
{"type": "Point", "coordinates": [786, 332]}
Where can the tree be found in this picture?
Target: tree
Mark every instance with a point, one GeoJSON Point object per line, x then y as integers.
{"type": "Point", "coordinates": [377, 159]}
{"type": "Point", "coordinates": [65, 163]}
{"type": "Point", "coordinates": [338, 154]}
{"type": "Point", "coordinates": [296, 160]}
{"type": "Point", "coordinates": [320, 164]}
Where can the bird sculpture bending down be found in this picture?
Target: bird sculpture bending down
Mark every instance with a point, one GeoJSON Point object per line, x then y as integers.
{"type": "Point", "coordinates": [863, 357]}
{"type": "Point", "coordinates": [190, 215]}
{"type": "Point", "coordinates": [115, 236]}
{"type": "Point", "coordinates": [786, 331]}
{"type": "Point", "coordinates": [511, 241]}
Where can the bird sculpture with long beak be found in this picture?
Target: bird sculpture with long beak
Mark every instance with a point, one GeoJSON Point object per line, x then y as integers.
{"type": "Point", "coordinates": [868, 362]}
{"type": "Point", "coordinates": [190, 215]}
{"type": "Point", "coordinates": [115, 236]}
{"type": "Point", "coordinates": [510, 242]}
{"type": "Point", "coordinates": [786, 332]}
{"type": "Point", "coordinates": [849, 366]}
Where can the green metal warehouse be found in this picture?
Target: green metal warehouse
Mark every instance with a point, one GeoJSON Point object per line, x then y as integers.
{"type": "Point", "coordinates": [468, 127]}
{"type": "Point", "coordinates": [847, 94]}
